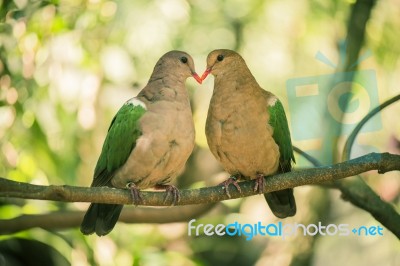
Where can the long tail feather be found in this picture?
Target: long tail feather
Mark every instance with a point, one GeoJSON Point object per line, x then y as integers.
{"type": "Point", "coordinates": [100, 218]}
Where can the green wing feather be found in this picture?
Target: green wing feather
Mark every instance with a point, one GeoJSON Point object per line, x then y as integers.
{"type": "Point", "coordinates": [281, 135]}
{"type": "Point", "coordinates": [120, 141]}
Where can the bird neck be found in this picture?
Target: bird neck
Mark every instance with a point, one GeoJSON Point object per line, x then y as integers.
{"type": "Point", "coordinates": [165, 88]}
{"type": "Point", "coordinates": [169, 78]}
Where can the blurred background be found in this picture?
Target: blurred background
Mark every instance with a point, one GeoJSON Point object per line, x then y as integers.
{"type": "Point", "coordinates": [66, 66]}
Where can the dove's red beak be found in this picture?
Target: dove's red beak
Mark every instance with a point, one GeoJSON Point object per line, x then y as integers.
{"type": "Point", "coordinates": [197, 78]}
{"type": "Point", "coordinates": [205, 74]}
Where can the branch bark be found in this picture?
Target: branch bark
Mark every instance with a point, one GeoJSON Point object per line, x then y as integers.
{"type": "Point", "coordinates": [383, 162]}
{"type": "Point", "coordinates": [356, 191]}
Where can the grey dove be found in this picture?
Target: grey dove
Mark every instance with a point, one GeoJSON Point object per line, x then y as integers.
{"type": "Point", "coordinates": [148, 142]}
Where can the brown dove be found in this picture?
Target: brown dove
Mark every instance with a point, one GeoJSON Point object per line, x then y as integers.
{"type": "Point", "coordinates": [148, 142]}
{"type": "Point", "coordinates": [247, 130]}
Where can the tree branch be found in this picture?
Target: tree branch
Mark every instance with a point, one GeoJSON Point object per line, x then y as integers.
{"type": "Point", "coordinates": [356, 191]}
{"type": "Point", "coordinates": [384, 162]}
{"type": "Point", "coordinates": [360, 14]}
{"type": "Point", "coordinates": [68, 219]}
{"type": "Point", "coordinates": [375, 161]}
{"type": "Point", "coordinates": [307, 156]}
{"type": "Point", "coordinates": [352, 137]}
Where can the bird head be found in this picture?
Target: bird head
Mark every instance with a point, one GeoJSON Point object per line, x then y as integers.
{"type": "Point", "coordinates": [180, 63]}
{"type": "Point", "coordinates": [219, 61]}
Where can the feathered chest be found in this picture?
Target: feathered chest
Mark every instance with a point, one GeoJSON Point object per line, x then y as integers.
{"type": "Point", "coordinates": [239, 134]}
{"type": "Point", "coordinates": [172, 120]}
{"type": "Point", "coordinates": [238, 115]}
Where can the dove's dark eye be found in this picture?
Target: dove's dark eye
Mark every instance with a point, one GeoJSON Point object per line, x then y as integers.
{"type": "Point", "coordinates": [184, 59]}
{"type": "Point", "coordinates": [220, 57]}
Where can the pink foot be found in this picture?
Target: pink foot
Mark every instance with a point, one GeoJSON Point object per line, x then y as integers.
{"type": "Point", "coordinates": [171, 190]}
{"type": "Point", "coordinates": [260, 184]}
{"type": "Point", "coordinates": [231, 180]}
{"type": "Point", "coordinates": [135, 192]}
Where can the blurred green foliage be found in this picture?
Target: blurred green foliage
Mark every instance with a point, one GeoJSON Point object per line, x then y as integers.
{"type": "Point", "coordinates": [67, 65]}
